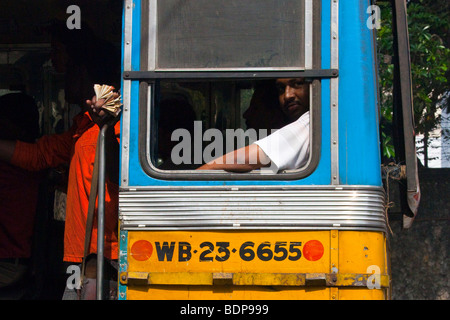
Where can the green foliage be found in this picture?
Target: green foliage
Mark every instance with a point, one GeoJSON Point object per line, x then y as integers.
{"type": "Point", "coordinates": [428, 28]}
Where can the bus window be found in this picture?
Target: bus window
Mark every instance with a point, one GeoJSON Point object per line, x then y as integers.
{"type": "Point", "coordinates": [192, 122]}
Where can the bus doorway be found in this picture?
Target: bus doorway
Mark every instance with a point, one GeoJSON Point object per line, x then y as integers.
{"type": "Point", "coordinates": [34, 64]}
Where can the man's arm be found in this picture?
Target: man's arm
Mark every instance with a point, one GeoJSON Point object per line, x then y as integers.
{"type": "Point", "coordinates": [285, 149]}
{"type": "Point", "coordinates": [47, 152]}
{"type": "Point", "coordinates": [242, 160]}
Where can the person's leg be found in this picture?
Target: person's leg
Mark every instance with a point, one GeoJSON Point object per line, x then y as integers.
{"type": "Point", "coordinates": [11, 272]}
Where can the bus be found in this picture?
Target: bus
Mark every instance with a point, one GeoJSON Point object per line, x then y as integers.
{"type": "Point", "coordinates": [319, 231]}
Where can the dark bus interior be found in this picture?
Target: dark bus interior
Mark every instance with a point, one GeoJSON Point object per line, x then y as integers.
{"type": "Point", "coordinates": [31, 33]}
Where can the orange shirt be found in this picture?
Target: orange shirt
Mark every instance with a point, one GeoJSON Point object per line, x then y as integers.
{"type": "Point", "coordinates": [76, 146]}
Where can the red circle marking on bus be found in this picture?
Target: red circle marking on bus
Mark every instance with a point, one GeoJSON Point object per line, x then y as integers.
{"type": "Point", "coordinates": [141, 250]}
{"type": "Point", "coordinates": [313, 250]}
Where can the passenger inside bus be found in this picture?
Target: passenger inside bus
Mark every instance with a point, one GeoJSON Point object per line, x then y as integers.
{"type": "Point", "coordinates": [285, 149]}
{"type": "Point", "coordinates": [228, 115]}
{"type": "Point", "coordinates": [19, 191]}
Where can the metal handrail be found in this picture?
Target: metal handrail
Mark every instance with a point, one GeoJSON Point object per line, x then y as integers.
{"type": "Point", "coordinates": [101, 211]}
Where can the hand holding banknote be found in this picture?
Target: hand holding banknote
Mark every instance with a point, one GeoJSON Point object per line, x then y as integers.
{"type": "Point", "coordinates": [105, 103]}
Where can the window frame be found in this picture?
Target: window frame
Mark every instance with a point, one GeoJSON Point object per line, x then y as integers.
{"type": "Point", "coordinates": [149, 36]}
{"type": "Point", "coordinates": [148, 77]}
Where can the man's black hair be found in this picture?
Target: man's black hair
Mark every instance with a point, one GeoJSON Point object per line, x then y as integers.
{"type": "Point", "coordinates": [101, 58]}
{"type": "Point", "coordinates": [22, 111]}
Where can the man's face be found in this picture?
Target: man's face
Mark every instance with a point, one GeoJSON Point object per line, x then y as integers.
{"type": "Point", "coordinates": [293, 95]}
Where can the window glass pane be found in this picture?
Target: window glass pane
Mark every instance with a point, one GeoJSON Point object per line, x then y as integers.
{"type": "Point", "coordinates": [196, 122]}
{"type": "Point", "coordinates": [230, 34]}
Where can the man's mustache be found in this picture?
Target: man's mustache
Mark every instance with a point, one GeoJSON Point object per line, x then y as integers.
{"type": "Point", "coordinates": [292, 102]}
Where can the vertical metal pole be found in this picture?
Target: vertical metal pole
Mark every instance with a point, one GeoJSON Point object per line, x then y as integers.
{"type": "Point", "coordinates": [101, 211]}
{"type": "Point", "coordinates": [334, 94]}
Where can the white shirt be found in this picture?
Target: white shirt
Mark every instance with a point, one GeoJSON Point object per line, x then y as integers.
{"type": "Point", "coordinates": [288, 147]}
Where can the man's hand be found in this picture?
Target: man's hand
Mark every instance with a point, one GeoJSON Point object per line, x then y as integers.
{"type": "Point", "coordinates": [98, 114]}
{"type": "Point", "coordinates": [102, 117]}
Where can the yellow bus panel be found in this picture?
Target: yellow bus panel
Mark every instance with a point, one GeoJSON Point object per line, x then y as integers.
{"type": "Point", "coordinates": [249, 265]}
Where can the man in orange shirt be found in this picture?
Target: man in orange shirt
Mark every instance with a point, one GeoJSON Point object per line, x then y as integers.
{"type": "Point", "coordinates": [77, 147]}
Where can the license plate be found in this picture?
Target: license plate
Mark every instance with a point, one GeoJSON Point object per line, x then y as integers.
{"type": "Point", "coordinates": [200, 251]}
